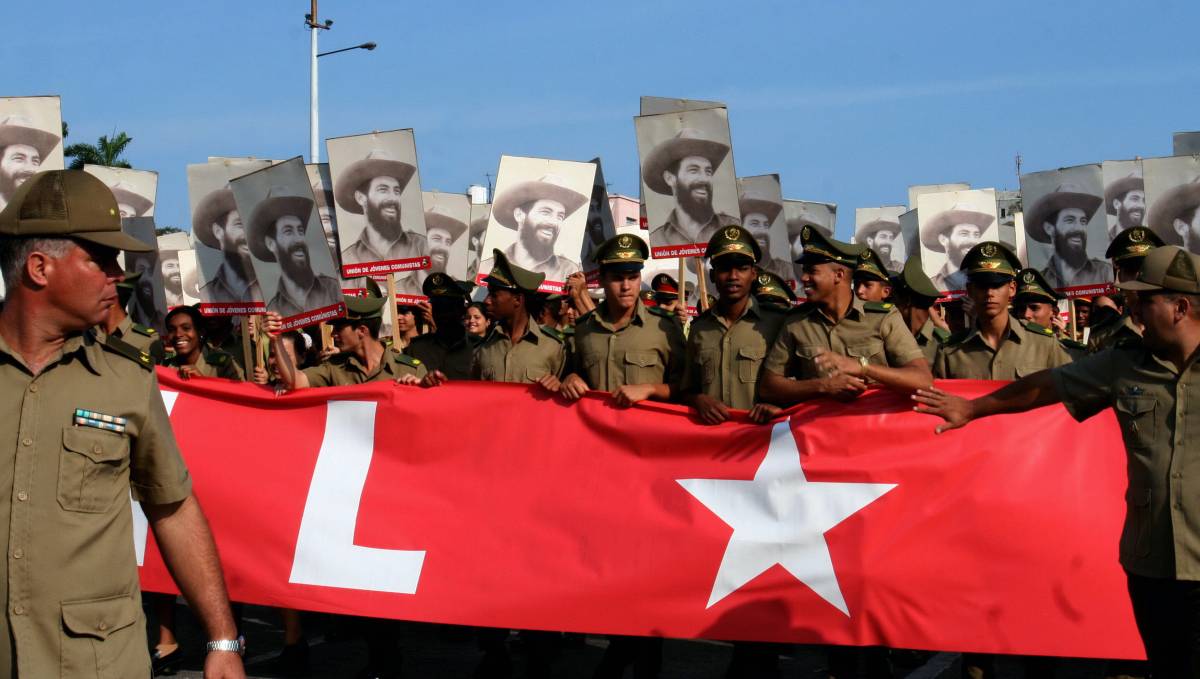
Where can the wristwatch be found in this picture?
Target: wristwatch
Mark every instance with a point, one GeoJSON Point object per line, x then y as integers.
{"type": "Point", "coordinates": [862, 360]}
{"type": "Point", "coordinates": [229, 645]}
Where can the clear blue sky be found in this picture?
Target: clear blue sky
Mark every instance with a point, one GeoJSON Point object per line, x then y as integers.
{"type": "Point", "coordinates": [848, 101]}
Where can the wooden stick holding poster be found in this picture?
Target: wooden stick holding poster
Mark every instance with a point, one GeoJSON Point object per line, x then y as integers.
{"type": "Point", "coordinates": [326, 336]}
{"type": "Point", "coordinates": [247, 351]}
{"type": "Point", "coordinates": [391, 293]}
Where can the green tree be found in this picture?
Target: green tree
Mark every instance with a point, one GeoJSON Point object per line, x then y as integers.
{"type": "Point", "coordinates": [105, 151]}
{"type": "Point", "coordinates": [164, 230]}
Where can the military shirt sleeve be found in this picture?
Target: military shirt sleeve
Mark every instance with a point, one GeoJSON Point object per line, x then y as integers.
{"type": "Point", "coordinates": [898, 341]}
{"type": "Point", "coordinates": [1085, 386]}
{"type": "Point", "coordinates": [781, 352]}
{"type": "Point", "coordinates": [939, 363]}
{"type": "Point", "coordinates": [319, 375]}
{"type": "Point", "coordinates": [690, 378]}
{"type": "Point", "coordinates": [675, 361]}
{"type": "Point", "coordinates": [232, 371]}
{"type": "Point", "coordinates": [157, 474]}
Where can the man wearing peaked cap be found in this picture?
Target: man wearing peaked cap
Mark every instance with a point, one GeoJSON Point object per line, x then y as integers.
{"type": "Point", "coordinates": [442, 231]}
{"type": "Point", "coordinates": [871, 278]}
{"type": "Point", "coordinates": [997, 346]}
{"type": "Point", "coordinates": [217, 223]}
{"type": "Point", "coordinates": [373, 187]}
{"type": "Point", "coordinates": [665, 292]}
{"type": "Point", "coordinates": [799, 215]}
{"type": "Point", "coordinates": [1125, 199]}
{"type": "Point", "coordinates": [773, 292]}
{"type": "Point", "coordinates": [1060, 219]}
{"type": "Point", "coordinates": [835, 344]}
{"type": "Point", "coordinates": [277, 234]}
{"type": "Point", "coordinates": [1151, 384]}
{"type": "Point", "coordinates": [23, 147]}
{"type": "Point", "coordinates": [759, 212]}
{"type": "Point", "coordinates": [536, 210]}
{"type": "Point", "coordinates": [119, 325]}
{"type": "Point", "coordinates": [130, 203]}
{"type": "Point", "coordinates": [1035, 301]}
{"type": "Point", "coordinates": [954, 232]}
{"type": "Point", "coordinates": [1126, 252]}
{"type": "Point", "coordinates": [683, 167]}
{"type": "Point", "coordinates": [915, 297]}
{"type": "Point", "coordinates": [448, 350]}
{"type": "Point", "coordinates": [59, 238]}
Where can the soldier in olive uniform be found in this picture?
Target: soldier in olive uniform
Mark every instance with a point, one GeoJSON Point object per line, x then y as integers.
{"type": "Point", "coordinates": [1127, 252]}
{"type": "Point", "coordinates": [871, 278]}
{"type": "Point", "coordinates": [1036, 303]}
{"type": "Point", "coordinates": [448, 350]}
{"type": "Point", "coordinates": [997, 347]}
{"type": "Point", "coordinates": [85, 427]}
{"type": "Point", "coordinates": [915, 296]}
{"type": "Point", "coordinates": [835, 344]}
{"type": "Point", "coordinates": [362, 357]}
{"type": "Point", "coordinates": [772, 292]}
{"type": "Point", "coordinates": [622, 347]}
{"type": "Point", "coordinates": [1148, 381]}
{"type": "Point", "coordinates": [192, 357]}
{"type": "Point", "coordinates": [118, 323]}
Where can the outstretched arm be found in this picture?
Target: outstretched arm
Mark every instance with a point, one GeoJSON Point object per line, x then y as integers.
{"type": "Point", "coordinates": [1029, 393]}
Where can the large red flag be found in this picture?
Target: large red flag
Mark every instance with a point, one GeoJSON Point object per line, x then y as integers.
{"type": "Point", "coordinates": [497, 505]}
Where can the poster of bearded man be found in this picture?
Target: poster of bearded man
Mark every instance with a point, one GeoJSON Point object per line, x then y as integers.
{"type": "Point", "coordinates": [688, 179]}
{"type": "Point", "coordinates": [228, 283]}
{"type": "Point", "coordinates": [1173, 196]}
{"type": "Point", "coordinates": [653, 106]}
{"type": "Point", "coordinates": [134, 190]}
{"type": "Point", "coordinates": [1124, 195]}
{"type": "Point", "coordinates": [291, 259]}
{"type": "Point", "coordinates": [30, 140]}
{"type": "Point", "coordinates": [600, 226]}
{"type": "Point", "coordinates": [760, 200]}
{"type": "Point", "coordinates": [879, 229]}
{"type": "Point", "coordinates": [539, 216]}
{"type": "Point", "coordinates": [950, 224]}
{"type": "Point", "coordinates": [1066, 232]}
{"type": "Point", "coordinates": [379, 213]}
{"type": "Point", "coordinates": [322, 188]}
{"type": "Point", "coordinates": [147, 303]}
{"type": "Point", "coordinates": [189, 274]}
{"type": "Point", "coordinates": [479, 221]}
{"type": "Point", "coordinates": [447, 220]}
{"type": "Point", "coordinates": [801, 213]}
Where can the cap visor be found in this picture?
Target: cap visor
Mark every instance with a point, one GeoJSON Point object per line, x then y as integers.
{"type": "Point", "coordinates": [117, 240]}
{"type": "Point", "coordinates": [990, 279]}
{"type": "Point", "coordinates": [1139, 286]}
{"type": "Point", "coordinates": [623, 267]}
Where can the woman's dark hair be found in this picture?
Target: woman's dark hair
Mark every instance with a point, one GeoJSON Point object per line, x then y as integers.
{"type": "Point", "coordinates": [192, 313]}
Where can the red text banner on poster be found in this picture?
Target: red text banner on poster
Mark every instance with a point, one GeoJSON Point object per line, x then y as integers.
{"type": "Point", "coordinates": [385, 267]}
{"type": "Point", "coordinates": [315, 316]}
{"type": "Point", "coordinates": [669, 251]}
{"type": "Point", "coordinates": [843, 524]}
{"type": "Point", "coordinates": [1088, 290]}
{"type": "Point", "coordinates": [232, 308]}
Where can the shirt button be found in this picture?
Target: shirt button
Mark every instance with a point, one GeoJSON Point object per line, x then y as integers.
{"type": "Point", "coordinates": [33, 388]}
{"type": "Point", "coordinates": [27, 442]}
{"type": "Point", "coordinates": [96, 449]}
{"type": "Point", "coordinates": [1177, 475]}
{"type": "Point", "coordinates": [19, 609]}
{"type": "Point", "coordinates": [18, 553]}
{"type": "Point", "coordinates": [102, 626]}
{"type": "Point", "coordinates": [22, 495]}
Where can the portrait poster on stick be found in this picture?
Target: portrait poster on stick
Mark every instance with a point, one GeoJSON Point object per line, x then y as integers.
{"type": "Point", "coordinates": [802, 213]}
{"type": "Point", "coordinates": [1065, 229]}
{"type": "Point", "coordinates": [654, 106]}
{"type": "Point", "coordinates": [1173, 194]}
{"type": "Point", "coordinates": [173, 280]}
{"type": "Point", "coordinates": [538, 217]}
{"type": "Point", "coordinates": [134, 190]}
{"type": "Point", "coordinates": [950, 224]}
{"type": "Point", "coordinates": [600, 226]}
{"type": "Point", "coordinates": [760, 200]}
{"type": "Point", "coordinates": [322, 188]}
{"type": "Point", "coordinates": [479, 221]}
{"type": "Point", "coordinates": [921, 189]}
{"type": "Point", "coordinates": [175, 240]}
{"type": "Point", "coordinates": [447, 220]}
{"type": "Point", "coordinates": [1124, 195]}
{"type": "Point", "coordinates": [879, 229]}
{"type": "Point", "coordinates": [379, 213]}
{"type": "Point", "coordinates": [909, 234]}
{"type": "Point", "coordinates": [228, 283]}
{"type": "Point", "coordinates": [147, 306]}
{"type": "Point", "coordinates": [688, 179]}
{"type": "Point", "coordinates": [30, 140]}
{"type": "Point", "coordinates": [291, 260]}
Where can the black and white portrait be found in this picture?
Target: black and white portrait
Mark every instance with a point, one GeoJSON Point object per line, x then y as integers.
{"type": "Point", "coordinates": [1124, 195]}
{"type": "Point", "coordinates": [802, 213]}
{"type": "Point", "coordinates": [30, 140]}
{"type": "Point", "coordinates": [1066, 232]}
{"type": "Point", "coordinates": [447, 218]}
{"type": "Point", "coordinates": [950, 224]}
{"type": "Point", "coordinates": [134, 189]}
{"type": "Point", "coordinates": [600, 226]}
{"type": "Point", "coordinates": [879, 229]}
{"type": "Point", "coordinates": [228, 283]}
{"type": "Point", "coordinates": [1172, 194]}
{"type": "Point", "coordinates": [760, 200]}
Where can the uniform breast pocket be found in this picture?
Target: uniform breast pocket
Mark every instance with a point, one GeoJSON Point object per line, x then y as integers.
{"type": "Point", "coordinates": [643, 367]}
{"type": "Point", "coordinates": [101, 638]}
{"type": "Point", "coordinates": [1025, 370]}
{"type": "Point", "coordinates": [872, 350]}
{"type": "Point", "coordinates": [1137, 417]}
{"type": "Point", "coordinates": [93, 471]}
{"type": "Point", "coordinates": [804, 358]}
{"type": "Point", "coordinates": [749, 359]}
{"type": "Point", "coordinates": [709, 365]}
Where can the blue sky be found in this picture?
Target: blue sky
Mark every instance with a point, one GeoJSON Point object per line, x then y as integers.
{"type": "Point", "coordinates": [849, 102]}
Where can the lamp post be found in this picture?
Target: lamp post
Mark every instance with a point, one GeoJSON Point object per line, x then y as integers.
{"type": "Point", "coordinates": [310, 20]}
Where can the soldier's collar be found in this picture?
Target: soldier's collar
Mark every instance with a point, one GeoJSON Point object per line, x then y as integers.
{"type": "Point", "coordinates": [857, 305]}
{"type": "Point", "coordinates": [84, 344]}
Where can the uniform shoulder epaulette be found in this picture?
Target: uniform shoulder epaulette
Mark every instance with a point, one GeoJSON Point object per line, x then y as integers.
{"type": "Point", "coordinates": [405, 358]}
{"type": "Point", "coordinates": [803, 310]}
{"type": "Point", "coordinates": [1072, 344]}
{"type": "Point", "coordinates": [941, 335]}
{"type": "Point", "coordinates": [553, 333]}
{"type": "Point", "coordinates": [569, 331]}
{"type": "Point", "coordinates": [122, 348]}
{"type": "Point", "coordinates": [879, 307]}
{"type": "Point", "coordinates": [1037, 329]}
{"type": "Point", "coordinates": [143, 330]}
{"type": "Point", "coordinates": [217, 358]}
{"type": "Point", "coordinates": [958, 337]}
{"type": "Point", "coordinates": [660, 312]}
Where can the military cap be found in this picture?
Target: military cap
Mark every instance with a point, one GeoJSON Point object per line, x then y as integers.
{"type": "Point", "coordinates": [508, 276]}
{"type": "Point", "coordinates": [820, 248]}
{"type": "Point", "coordinates": [1030, 283]}
{"type": "Point", "coordinates": [67, 204]}
{"type": "Point", "coordinates": [1167, 269]}
{"type": "Point", "coordinates": [441, 285]}
{"type": "Point", "coordinates": [733, 240]}
{"type": "Point", "coordinates": [990, 262]}
{"type": "Point", "coordinates": [912, 279]}
{"type": "Point", "coordinates": [368, 306]}
{"type": "Point", "coordinates": [1136, 241]}
{"type": "Point", "coordinates": [769, 287]}
{"type": "Point", "coordinates": [870, 265]}
{"type": "Point", "coordinates": [664, 286]}
{"type": "Point", "coordinates": [625, 252]}
{"type": "Point", "coordinates": [648, 298]}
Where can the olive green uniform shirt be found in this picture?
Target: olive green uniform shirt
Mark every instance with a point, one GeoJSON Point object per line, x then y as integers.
{"type": "Point", "coordinates": [870, 330]}
{"type": "Point", "coordinates": [540, 352]}
{"type": "Point", "coordinates": [139, 337]}
{"type": "Point", "coordinates": [724, 360]}
{"type": "Point", "coordinates": [70, 580]}
{"type": "Point", "coordinates": [647, 350]}
{"type": "Point", "coordinates": [452, 358]}
{"type": "Point", "coordinates": [1110, 334]}
{"type": "Point", "coordinates": [345, 368]}
{"type": "Point", "coordinates": [929, 338]}
{"type": "Point", "coordinates": [1160, 425]}
{"type": "Point", "coordinates": [212, 363]}
{"type": "Point", "coordinates": [1025, 349]}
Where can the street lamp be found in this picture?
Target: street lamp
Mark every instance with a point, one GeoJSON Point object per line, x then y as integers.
{"type": "Point", "coordinates": [310, 20]}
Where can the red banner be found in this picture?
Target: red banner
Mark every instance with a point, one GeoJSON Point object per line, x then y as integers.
{"type": "Point", "coordinates": [495, 505]}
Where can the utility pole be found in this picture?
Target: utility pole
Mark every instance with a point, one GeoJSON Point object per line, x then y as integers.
{"type": "Point", "coordinates": [314, 141]}
{"type": "Point", "coordinates": [1018, 169]}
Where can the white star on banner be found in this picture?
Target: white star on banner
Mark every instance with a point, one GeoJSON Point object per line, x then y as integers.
{"type": "Point", "coordinates": [781, 518]}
